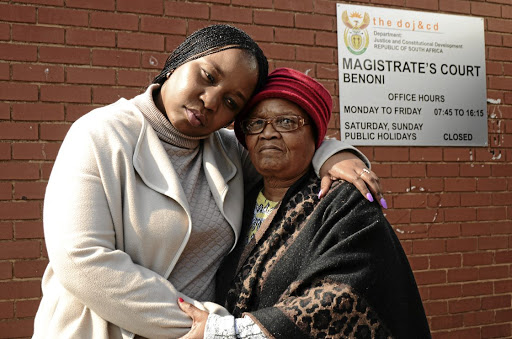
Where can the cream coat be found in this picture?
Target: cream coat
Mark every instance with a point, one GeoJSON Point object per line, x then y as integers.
{"type": "Point", "coordinates": [116, 221]}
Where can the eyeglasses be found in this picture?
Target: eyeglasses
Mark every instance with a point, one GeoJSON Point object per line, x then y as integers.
{"type": "Point", "coordinates": [283, 123]}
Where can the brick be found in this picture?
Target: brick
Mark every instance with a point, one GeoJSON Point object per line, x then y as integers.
{"type": "Point", "coordinates": [461, 245]}
{"type": "Point", "coordinates": [92, 4]}
{"type": "Point", "coordinates": [496, 331]}
{"type": "Point", "coordinates": [134, 78]}
{"type": "Point", "coordinates": [35, 151]}
{"type": "Point", "coordinates": [61, 16]}
{"type": "Point", "coordinates": [5, 151]}
{"type": "Point", "coordinates": [187, 10]}
{"type": "Point", "coordinates": [478, 318]}
{"type": "Point", "coordinates": [408, 170]}
{"type": "Point", "coordinates": [473, 199]}
{"type": "Point", "coordinates": [18, 131]}
{"type": "Point", "coordinates": [462, 274]}
{"type": "Point", "coordinates": [445, 261]}
{"type": "Point", "coordinates": [435, 307]}
{"type": "Point", "coordinates": [442, 170]}
{"type": "Point", "coordinates": [446, 321]}
{"type": "Point", "coordinates": [464, 305]}
{"type": "Point", "coordinates": [315, 22]}
{"type": "Point", "coordinates": [427, 216]}
{"type": "Point", "coordinates": [141, 41]}
{"type": "Point", "coordinates": [272, 18]}
{"type": "Point", "coordinates": [492, 242]}
{"type": "Point", "coordinates": [412, 231]}
{"type": "Point", "coordinates": [20, 249]}
{"type": "Point", "coordinates": [29, 268]}
{"type": "Point", "coordinates": [475, 171]}
{"type": "Point", "coordinates": [4, 72]}
{"type": "Point", "coordinates": [444, 231]}
{"type": "Point", "coordinates": [27, 308]}
{"type": "Point", "coordinates": [420, 4]}
{"type": "Point", "coordinates": [455, 6]}
{"type": "Point", "coordinates": [17, 328]}
{"type": "Point", "coordinates": [457, 154]}
{"type": "Point", "coordinates": [458, 333]}
{"type": "Point", "coordinates": [64, 55]}
{"type": "Point", "coordinates": [29, 230]}
{"type": "Point", "coordinates": [491, 184]}
{"type": "Point", "coordinates": [54, 132]}
{"type": "Point", "coordinates": [6, 309]}
{"type": "Point", "coordinates": [477, 288]}
{"type": "Point", "coordinates": [13, 91]}
{"type": "Point", "coordinates": [494, 272]}
{"type": "Point", "coordinates": [460, 184]}
{"type": "Point", "coordinates": [459, 214]}
{"type": "Point", "coordinates": [19, 210]}
{"type": "Point", "coordinates": [110, 95]}
{"type": "Point", "coordinates": [427, 184]}
{"type": "Point", "coordinates": [282, 52]}
{"type": "Point", "coordinates": [327, 39]}
{"type": "Point", "coordinates": [5, 31]}
{"type": "Point", "coordinates": [126, 22]}
{"type": "Point", "coordinates": [6, 230]}
{"type": "Point", "coordinates": [499, 25]}
{"type": "Point", "coordinates": [444, 200]}
{"type": "Point", "coordinates": [428, 246]}
{"type": "Point", "coordinates": [29, 190]}
{"type": "Point", "coordinates": [163, 25]}
{"type": "Point", "coordinates": [74, 112]}
{"type": "Point", "coordinates": [294, 6]}
{"type": "Point", "coordinates": [5, 272]}
{"type": "Point", "coordinates": [38, 34]}
{"type": "Point", "coordinates": [5, 190]}
{"type": "Point", "coordinates": [15, 13]}
{"type": "Point", "coordinates": [410, 201]}
{"type": "Point", "coordinates": [38, 73]}
{"type": "Point", "coordinates": [418, 262]}
{"type": "Point", "coordinates": [38, 112]}
{"type": "Point", "coordinates": [59, 3]}
{"type": "Point", "coordinates": [147, 6]}
{"type": "Point", "coordinates": [396, 217]}
{"type": "Point", "coordinates": [477, 259]}
{"type": "Point", "coordinates": [91, 76]}
{"type": "Point", "coordinates": [66, 93]}
{"type": "Point", "coordinates": [503, 316]}
{"type": "Point", "coordinates": [88, 37]}
{"type": "Point", "coordinates": [20, 289]}
{"type": "Point", "coordinates": [115, 58]}
{"type": "Point", "coordinates": [485, 9]}
{"type": "Point", "coordinates": [294, 36]}
{"type": "Point", "coordinates": [500, 54]}
{"type": "Point", "coordinates": [430, 277]}
{"type": "Point", "coordinates": [46, 169]}
{"type": "Point", "coordinates": [315, 54]}
{"type": "Point", "coordinates": [503, 286]}
{"type": "Point", "coordinates": [230, 14]}
{"type": "Point", "coordinates": [504, 256]}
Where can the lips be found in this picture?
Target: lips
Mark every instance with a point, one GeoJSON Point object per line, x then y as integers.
{"type": "Point", "coordinates": [269, 147]}
{"type": "Point", "coordinates": [195, 117]}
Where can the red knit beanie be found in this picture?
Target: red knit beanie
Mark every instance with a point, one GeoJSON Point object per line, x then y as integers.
{"type": "Point", "coordinates": [297, 87]}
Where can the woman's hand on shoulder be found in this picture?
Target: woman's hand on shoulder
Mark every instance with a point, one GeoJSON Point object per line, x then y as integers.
{"type": "Point", "coordinates": [349, 167]}
{"type": "Point", "coordinates": [199, 319]}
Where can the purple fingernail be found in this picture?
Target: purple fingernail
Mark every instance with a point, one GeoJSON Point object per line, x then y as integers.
{"type": "Point", "coordinates": [319, 194]}
{"type": "Point", "coordinates": [369, 197]}
{"type": "Point", "coordinates": [383, 203]}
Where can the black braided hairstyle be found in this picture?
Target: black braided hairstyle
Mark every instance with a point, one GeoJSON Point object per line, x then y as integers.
{"type": "Point", "coordinates": [213, 39]}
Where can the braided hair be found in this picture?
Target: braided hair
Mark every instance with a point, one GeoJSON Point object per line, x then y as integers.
{"type": "Point", "coordinates": [213, 39]}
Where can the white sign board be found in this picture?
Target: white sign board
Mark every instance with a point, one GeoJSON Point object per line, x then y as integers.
{"type": "Point", "coordinates": [411, 78]}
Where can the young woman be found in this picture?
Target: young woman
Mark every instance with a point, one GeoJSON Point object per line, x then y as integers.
{"type": "Point", "coordinates": [146, 196]}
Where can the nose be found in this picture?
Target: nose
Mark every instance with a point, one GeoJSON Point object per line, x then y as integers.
{"type": "Point", "coordinates": [210, 98]}
{"type": "Point", "coordinates": [269, 131]}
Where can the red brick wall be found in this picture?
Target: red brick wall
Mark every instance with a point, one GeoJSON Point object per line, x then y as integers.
{"type": "Point", "coordinates": [451, 207]}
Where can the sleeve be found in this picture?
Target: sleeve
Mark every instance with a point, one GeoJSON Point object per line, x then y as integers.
{"type": "Point", "coordinates": [354, 277]}
{"type": "Point", "coordinates": [82, 241]}
{"type": "Point", "coordinates": [329, 147]}
{"type": "Point", "coordinates": [229, 327]}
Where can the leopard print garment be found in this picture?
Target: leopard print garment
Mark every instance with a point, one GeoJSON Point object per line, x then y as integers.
{"type": "Point", "coordinates": [325, 309]}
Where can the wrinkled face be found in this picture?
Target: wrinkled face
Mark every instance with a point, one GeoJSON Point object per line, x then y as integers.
{"type": "Point", "coordinates": [281, 155]}
{"type": "Point", "coordinates": [206, 94]}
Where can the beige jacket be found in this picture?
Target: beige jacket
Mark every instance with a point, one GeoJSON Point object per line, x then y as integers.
{"type": "Point", "coordinates": [116, 221]}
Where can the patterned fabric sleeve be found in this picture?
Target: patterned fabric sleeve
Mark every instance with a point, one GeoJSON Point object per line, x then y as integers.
{"type": "Point", "coordinates": [229, 327]}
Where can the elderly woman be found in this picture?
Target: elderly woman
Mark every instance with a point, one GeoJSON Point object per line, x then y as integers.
{"type": "Point", "coordinates": [308, 268]}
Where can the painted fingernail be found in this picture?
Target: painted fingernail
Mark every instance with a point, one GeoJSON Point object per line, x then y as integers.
{"type": "Point", "coordinates": [369, 197]}
{"type": "Point", "coordinates": [383, 203]}
{"type": "Point", "coordinates": [320, 194]}
{"type": "Point", "coordinates": [181, 300]}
